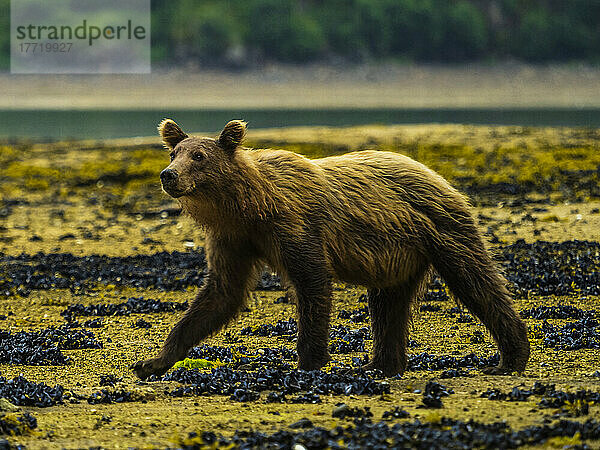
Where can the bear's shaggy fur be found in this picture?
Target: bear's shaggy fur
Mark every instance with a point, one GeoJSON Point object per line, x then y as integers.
{"type": "Point", "coordinates": [369, 218]}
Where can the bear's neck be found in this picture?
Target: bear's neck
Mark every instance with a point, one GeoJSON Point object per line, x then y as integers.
{"type": "Point", "coordinates": [247, 198]}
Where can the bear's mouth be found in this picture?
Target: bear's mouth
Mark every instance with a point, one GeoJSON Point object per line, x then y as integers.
{"type": "Point", "coordinates": [174, 192]}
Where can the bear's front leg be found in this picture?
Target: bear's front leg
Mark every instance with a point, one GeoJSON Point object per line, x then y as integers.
{"type": "Point", "coordinates": [155, 366]}
{"type": "Point", "coordinates": [219, 300]}
{"type": "Point", "coordinates": [209, 312]}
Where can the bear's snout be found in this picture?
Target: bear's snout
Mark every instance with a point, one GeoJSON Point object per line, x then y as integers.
{"type": "Point", "coordinates": [168, 176]}
{"type": "Point", "coordinates": [170, 183]}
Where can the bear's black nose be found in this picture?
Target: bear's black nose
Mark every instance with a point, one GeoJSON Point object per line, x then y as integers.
{"type": "Point", "coordinates": [168, 176]}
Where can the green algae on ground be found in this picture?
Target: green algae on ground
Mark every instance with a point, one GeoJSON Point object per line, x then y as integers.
{"type": "Point", "coordinates": [197, 363]}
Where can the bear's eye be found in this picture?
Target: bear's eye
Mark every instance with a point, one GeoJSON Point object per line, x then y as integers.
{"type": "Point", "coordinates": [198, 157]}
{"type": "Point", "coordinates": [172, 156]}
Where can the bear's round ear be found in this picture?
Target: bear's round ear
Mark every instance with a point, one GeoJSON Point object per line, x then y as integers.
{"type": "Point", "coordinates": [170, 133]}
{"type": "Point", "coordinates": [232, 135]}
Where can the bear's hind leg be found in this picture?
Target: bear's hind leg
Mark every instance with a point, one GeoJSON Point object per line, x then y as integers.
{"type": "Point", "coordinates": [474, 279]}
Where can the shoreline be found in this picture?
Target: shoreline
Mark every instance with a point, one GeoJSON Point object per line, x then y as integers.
{"type": "Point", "coordinates": [386, 85]}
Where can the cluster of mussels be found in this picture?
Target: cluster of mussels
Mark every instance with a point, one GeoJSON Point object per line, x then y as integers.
{"type": "Point", "coordinates": [283, 328]}
{"type": "Point", "coordinates": [343, 339]}
{"type": "Point", "coordinates": [131, 306]}
{"type": "Point", "coordinates": [363, 433]}
{"type": "Point", "coordinates": [433, 393]}
{"type": "Point", "coordinates": [551, 398]}
{"type": "Point", "coordinates": [110, 396]}
{"type": "Point", "coordinates": [427, 361]}
{"type": "Point", "coordinates": [557, 312]}
{"type": "Point", "coordinates": [225, 381]}
{"type": "Point", "coordinates": [347, 340]}
{"type": "Point", "coordinates": [242, 357]}
{"type": "Point", "coordinates": [163, 270]}
{"type": "Point", "coordinates": [359, 315]}
{"type": "Point", "coordinates": [576, 335]}
{"type": "Point", "coordinates": [582, 333]}
{"type": "Point", "coordinates": [44, 347]}
{"type": "Point", "coordinates": [21, 392]}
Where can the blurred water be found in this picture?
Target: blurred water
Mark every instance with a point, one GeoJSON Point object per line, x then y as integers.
{"type": "Point", "coordinates": [103, 124]}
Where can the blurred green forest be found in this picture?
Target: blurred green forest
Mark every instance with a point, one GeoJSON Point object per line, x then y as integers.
{"type": "Point", "coordinates": [241, 33]}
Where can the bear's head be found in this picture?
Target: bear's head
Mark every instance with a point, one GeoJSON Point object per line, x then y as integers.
{"type": "Point", "coordinates": [198, 164]}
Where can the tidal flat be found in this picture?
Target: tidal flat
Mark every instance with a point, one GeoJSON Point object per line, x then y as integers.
{"type": "Point", "coordinates": [96, 264]}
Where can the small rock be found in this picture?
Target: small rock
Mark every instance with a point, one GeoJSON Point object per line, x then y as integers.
{"type": "Point", "coordinates": [302, 423]}
{"type": "Point", "coordinates": [340, 411]}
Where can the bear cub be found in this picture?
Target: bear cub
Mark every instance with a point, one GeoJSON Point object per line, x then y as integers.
{"type": "Point", "coordinates": [375, 219]}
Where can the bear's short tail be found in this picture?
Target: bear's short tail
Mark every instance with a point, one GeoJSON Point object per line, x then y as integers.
{"type": "Point", "coordinates": [460, 257]}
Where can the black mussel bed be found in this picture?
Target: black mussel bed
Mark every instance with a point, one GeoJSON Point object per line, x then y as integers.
{"type": "Point", "coordinates": [581, 334]}
{"type": "Point", "coordinates": [362, 432]}
{"type": "Point", "coordinates": [542, 268]}
{"type": "Point", "coordinates": [43, 347]}
{"type": "Point", "coordinates": [225, 381]}
{"type": "Point", "coordinates": [21, 392]}
{"type": "Point", "coordinates": [164, 271]}
{"type": "Point", "coordinates": [242, 356]}
{"type": "Point", "coordinates": [133, 305]}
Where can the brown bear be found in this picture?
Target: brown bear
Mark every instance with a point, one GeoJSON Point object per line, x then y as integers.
{"type": "Point", "coordinates": [370, 218]}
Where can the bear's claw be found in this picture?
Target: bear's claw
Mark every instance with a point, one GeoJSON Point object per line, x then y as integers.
{"type": "Point", "coordinates": [143, 369]}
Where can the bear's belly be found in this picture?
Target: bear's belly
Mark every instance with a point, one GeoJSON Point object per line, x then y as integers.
{"type": "Point", "coordinates": [374, 266]}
